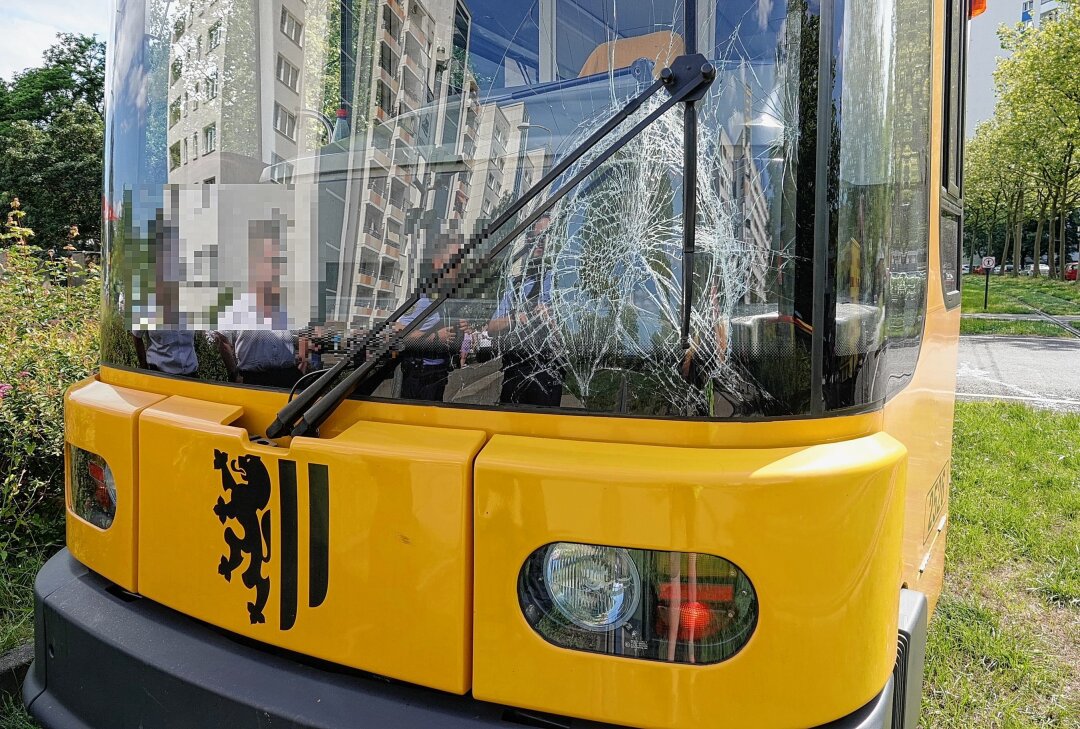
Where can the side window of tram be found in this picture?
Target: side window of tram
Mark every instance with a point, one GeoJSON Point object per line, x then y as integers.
{"type": "Point", "coordinates": [952, 153]}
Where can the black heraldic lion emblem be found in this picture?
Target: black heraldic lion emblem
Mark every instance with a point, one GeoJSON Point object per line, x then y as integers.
{"type": "Point", "coordinates": [247, 508]}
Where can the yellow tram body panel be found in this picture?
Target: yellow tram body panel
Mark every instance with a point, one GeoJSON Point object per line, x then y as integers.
{"type": "Point", "coordinates": [817, 531]}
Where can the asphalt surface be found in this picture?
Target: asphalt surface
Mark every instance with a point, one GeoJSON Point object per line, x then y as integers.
{"type": "Point", "coordinates": [1038, 371]}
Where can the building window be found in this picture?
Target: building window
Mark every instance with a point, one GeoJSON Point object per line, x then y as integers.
{"type": "Point", "coordinates": [214, 36]}
{"type": "Point", "coordinates": [174, 113]}
{"type": "Point", "coordinates": [211, 86]}
{"type": "Point", "coordinates": [384, 97]}
{"type": "Point", "coordinates": [185, 154]}
{"type": "Point", "coordinates": [178, 29]}
{"type": "Point", "coordinates": [285, 121]}
{"type": "Point", "coordinates": [195, 99]}
{"type": "Point", "coordinates": [291, 27]}
{"type": "Point", "coordinates": [177, 69]}
{"type": "Point", "coordinates": [187, 102]}
{"type": "Point", "coordinates": [174, 156]}
{"type": "Point", "coordinates": [198, 47]}
{"type": "Point", "coordinates": [281, 171]}
{"type": "Point", "coordinates": [210, 139]}
{"type": "Point", "coordinates": [209, 181]}
{"type": "Point", "coordinates": [195, 145]}
{"type": "Point", "coordinates": [287, 73]}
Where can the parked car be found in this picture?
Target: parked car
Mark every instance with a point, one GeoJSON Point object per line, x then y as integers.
{"type": "Point", "coordinates": [966, 268]}
{"type": "Point", "coordinates": [1044, 270]}
{"type": "Point", "coordinates": [1070, 271]}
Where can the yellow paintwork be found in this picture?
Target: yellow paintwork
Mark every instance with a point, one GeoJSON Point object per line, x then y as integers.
{"type": "Point", "coordinates": [921, 416]}
{"type": "Point", "coordinates": [399, 601]}
{"type": "Point", "coordinates": [817, 530]}
{"type": "Point", "coordinates": [260, 405]}
{"type": "Point", "coordinates": [102, 419]}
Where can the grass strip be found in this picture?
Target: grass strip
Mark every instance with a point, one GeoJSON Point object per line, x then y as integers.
{"type": "Point", "coordinates": [1006, 328]}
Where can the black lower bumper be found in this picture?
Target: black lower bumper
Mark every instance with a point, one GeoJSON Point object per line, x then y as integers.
{"type": "Point", "coordinates": [107, 660]}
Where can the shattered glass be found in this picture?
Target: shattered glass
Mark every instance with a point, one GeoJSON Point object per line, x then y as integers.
{"type": "Point", "coordinates": [296, 169]}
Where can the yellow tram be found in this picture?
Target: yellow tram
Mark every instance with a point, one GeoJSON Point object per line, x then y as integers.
{"type": "Point", "coordinates": [560, 363]}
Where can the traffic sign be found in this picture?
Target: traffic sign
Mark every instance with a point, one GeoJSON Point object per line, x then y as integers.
{"type": "Point", "coordinates": [988, 262]}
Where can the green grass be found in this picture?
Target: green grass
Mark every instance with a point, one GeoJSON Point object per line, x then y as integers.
{"type": "Point", "coordinates": [16, 602]}
{"type": "Point", "coordinates": [14, 716]}
{"type": "Point", "coordinates": [1004, 646]}
{"type": "Point", "coordinates": [1012, 328]}
{"type": "Point", "coordinates": [1008, 295]}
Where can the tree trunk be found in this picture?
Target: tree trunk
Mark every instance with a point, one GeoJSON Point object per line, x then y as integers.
{"type": "Point", "coordinates": [1051, 245]}
{"type": "Point", "coordinates": [1038, 241]}
{"type": "Point", "coordinates": [1018, 237]}
{"type": "Point", "coordinates": [1061, 243]}
{"type": "Point", "coordinates": [1005, 248]}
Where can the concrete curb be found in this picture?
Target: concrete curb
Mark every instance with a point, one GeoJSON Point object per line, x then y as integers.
{"type": "Point", "coordinates": [13, 665]}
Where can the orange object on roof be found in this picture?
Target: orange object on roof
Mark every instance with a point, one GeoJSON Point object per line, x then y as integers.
{"type": "Point", "coordinates": [661, 47]}
{"type": "Point", "coordinates": [978, 7]}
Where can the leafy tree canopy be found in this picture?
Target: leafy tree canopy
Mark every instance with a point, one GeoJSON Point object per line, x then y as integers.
{"type": "Point", "coordinates": [51, 140]}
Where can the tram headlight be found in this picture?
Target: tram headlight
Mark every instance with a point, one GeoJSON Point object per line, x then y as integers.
{"type": "Point", "coordinates": [595, 588]}
{"type": "Point", "coordinates": [668, 606]}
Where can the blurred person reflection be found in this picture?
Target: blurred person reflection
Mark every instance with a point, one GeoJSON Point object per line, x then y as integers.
{"type": "Point", "coordinates": [253, 337]}
{"type": "Point", "coordinates": [531, 375]}
{"type": "Point", "coordinates": [426, 361]}
{"type": "Point", "coordinates": [165, 348]}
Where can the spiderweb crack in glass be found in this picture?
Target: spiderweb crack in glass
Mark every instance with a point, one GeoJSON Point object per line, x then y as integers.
{"type": "Point", "coordinates": [610, 267]}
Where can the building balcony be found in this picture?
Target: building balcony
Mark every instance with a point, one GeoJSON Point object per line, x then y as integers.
{"type": "Point", "coordinates": [365, 279]}
{"type": "Point", "coordinates": [381, 157]}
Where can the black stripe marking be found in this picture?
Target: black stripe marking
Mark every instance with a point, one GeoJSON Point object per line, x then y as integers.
{"type": "Point", "coordinates": [289, 540]}
{"type": "Point", "coordinates": [319, 521]}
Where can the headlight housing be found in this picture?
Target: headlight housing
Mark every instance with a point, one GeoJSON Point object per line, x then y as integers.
{"type": "Point", "coordinates": [676, 607]}
{"type": "Point", "coordinates": [93, 488]}
{"type": "Point", "coordinates": [595, 588]}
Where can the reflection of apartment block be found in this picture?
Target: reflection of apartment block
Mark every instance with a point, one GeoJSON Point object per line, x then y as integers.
{"type": "Point", "coordinates": [236, 79]}
{"type": "Point", "coordinates": [739, 187]}
{"type": "Point", "coordinates": [499, 154]}
{"type": "Point", "coordinates": [425, 115]}
{"type": "Point", "coordinates": [234, 68]}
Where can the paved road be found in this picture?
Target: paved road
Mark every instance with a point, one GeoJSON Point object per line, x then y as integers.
{"type": "Point", "coordinates": [1039, 371]}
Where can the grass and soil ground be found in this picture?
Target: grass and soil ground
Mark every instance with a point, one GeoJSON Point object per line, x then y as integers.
{"type": "Point", "coordinates": [1004, 646]}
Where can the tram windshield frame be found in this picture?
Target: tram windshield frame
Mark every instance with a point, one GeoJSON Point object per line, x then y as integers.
{"type": "Point", "coordinates": [283, 177]}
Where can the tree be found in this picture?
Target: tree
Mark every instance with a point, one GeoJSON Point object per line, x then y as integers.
{"type": "Point", "coordinates": [51, 141]}
{"type": "Point", "coordinates": [1038, 116]}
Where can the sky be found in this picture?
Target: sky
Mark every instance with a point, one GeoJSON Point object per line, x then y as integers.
{"type": "Point", "coordinates": [983, 51]}
{"type": "Point", "coordinates": [30, 26]}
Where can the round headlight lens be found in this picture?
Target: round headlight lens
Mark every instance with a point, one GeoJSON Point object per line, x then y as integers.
{"type": "Point", "coordinates": [595, 588]}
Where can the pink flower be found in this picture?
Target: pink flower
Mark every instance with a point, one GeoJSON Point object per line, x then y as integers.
{"type": "Point", "coordinates": [5, 388]}
{"type": "Point", "coordinates": [24, 373]}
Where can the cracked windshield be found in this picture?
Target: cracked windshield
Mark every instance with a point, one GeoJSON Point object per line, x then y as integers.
{"type": "Point", "coordinates": [278, 186]}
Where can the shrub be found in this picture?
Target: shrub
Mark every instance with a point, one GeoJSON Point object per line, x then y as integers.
{"type": "Point", "coordinates": [48, 340]}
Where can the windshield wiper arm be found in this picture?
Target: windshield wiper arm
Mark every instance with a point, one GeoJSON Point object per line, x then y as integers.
{"type": "Point", "coordinates": [687, 76]}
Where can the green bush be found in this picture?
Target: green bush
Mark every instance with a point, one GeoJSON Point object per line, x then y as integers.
{"type": "Point", "coordinates": [48, 340]}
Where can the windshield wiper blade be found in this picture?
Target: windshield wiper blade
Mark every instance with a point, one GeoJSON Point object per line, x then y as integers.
{"type": "Point", "coordinates": [687, 76]}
